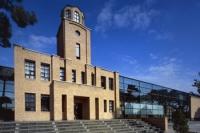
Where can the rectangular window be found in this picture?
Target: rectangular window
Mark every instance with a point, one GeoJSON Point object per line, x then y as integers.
{"type": "Point", "coordinates": [73, 75]}
{"type": "Point", "coordinates": [111, 106]}
{"type": "Point", "coordinates": [45, 103]}
{"type": "Point", "coordinates": [29, 69]}
{"type": "Point", "coordinates": [92, 79]}
{"type": "Point", "coordinates": [111, 83]}
{"type": "Point", "coordinates": [45, 72]}
{"type": "Point", "coordinates": [103, 82]}
{"type": "Point", "coordinates": [78, 52]}
{"type": "Point", "coordinates": [30, 101]}
{"type": "Point", "coordinates": [105, 105]}
{"type": "Point", "coordinates": [62, 74]}
{"type": "Point", "coordinates": [83, 77]}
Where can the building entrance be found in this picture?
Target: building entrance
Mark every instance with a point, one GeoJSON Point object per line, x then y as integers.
{"type": "Point", "coordinates": [81, 108]}
{"type": "Point", "coordinates": [78, 111]}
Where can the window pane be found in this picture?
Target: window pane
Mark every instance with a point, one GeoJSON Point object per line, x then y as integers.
{"type": "Point", "coordinates": [29, 69]}
{"type": "Point", "coordinates": [73, 75]}
{"type": "Point", "coordinates": [76, 17]}
{"type": "Point", "coordinates": [103, 82]}
{"type": "Point", "coordinates": [45, 72]}
{"type": "Point", "coordinates": [111, 106]}
{"type": "Point", "coordinates": [78, 51]}
{"type": "Point", "coordinates": [83, 77]}
{"type": "Point", "coordinates": [45, 103]}
{"type": "Point", "coordinates": [62, 74]}
{"type": "Point", "coordinates": [92, 79]}
{"type": "Point", "coordinates": [29, 101]}
{"type": "Point", "coordinates": [111, 83]}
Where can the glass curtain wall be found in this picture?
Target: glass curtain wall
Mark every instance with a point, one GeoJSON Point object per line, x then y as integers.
{"type": "Point", "coordinates": [6, 93]}
{"type": "Point", "coordinates": [142, 99]}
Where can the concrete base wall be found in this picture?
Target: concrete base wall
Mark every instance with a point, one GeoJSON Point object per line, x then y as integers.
{"type": "Point", "coordinates": [161, 123]}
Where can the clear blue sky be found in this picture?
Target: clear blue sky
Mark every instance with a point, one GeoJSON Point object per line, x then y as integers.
{"type": "Point", "coordinates": [151, 40]}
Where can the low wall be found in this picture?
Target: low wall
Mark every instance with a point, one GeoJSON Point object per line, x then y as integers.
{"type": "Point", "coordinates": [6, 115]}
{"type": "Point", "coordinates": [161, 123]}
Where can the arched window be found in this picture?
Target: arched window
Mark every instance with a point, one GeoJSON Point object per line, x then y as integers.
{"type": "Point", "coordinates": [77, 33]}
{"type": "Point", "coordinates": [68, 14]}
{"type": "Point", "coordinates": [76, 17]}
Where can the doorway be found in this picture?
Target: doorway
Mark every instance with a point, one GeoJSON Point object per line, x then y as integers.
{"type": "Point", "coordinates": [81, 108]}
{"type": "Point", "coordinates": [78, 111]}
{"type": "Point", "coordinates": [97, 108]}
{"type": "Point", "coordinates": [64, 107]}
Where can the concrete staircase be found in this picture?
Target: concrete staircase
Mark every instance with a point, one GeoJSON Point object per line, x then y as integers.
{"type": "Point", "coordinates": [70, 127]}
{"type": "Point", "coordinates": [97, 127]}
{"type": "Point", "coordinates": [93, 126]}
{"type": "Point", "coordinates": [142, 127]}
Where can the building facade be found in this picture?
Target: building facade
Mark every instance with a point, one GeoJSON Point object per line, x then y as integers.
{"type": "Point", "coordinates": [64, 86]}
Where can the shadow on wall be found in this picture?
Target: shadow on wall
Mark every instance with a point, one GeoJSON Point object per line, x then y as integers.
{"type": "Point", "coordinates": [197, 114]}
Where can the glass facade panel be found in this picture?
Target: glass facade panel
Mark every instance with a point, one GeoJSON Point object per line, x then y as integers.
{"type": "Point", "coordinates": [144, 99]}
{"type": "Point", "coordinates": [6, 91]}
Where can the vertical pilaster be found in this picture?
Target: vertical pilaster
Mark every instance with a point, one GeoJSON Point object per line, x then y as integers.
{"type": "Point", "coordinates": [117, 97]}
{"type": "Point", "coordinates": [70, 107]}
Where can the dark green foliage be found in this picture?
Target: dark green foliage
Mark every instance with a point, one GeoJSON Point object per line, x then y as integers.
{"type": "Point", "coordinates": [5, 30]}
{"type": "Point", "coordinates": [180, 122]}
{"type": "Point", "coordinates": [18, 14]}
{"type": "Point", "coordinates": [197, 84]}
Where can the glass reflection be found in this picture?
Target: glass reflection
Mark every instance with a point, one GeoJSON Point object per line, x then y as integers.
{"type": "Point", "coordinates": [144, 99]}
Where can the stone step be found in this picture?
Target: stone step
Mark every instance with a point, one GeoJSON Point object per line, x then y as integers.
{"type": "Point", "coordinates": [7, 128]}
{"type": "Point", "coordinates": [63, 125]}
{"type": "Point", "coordinates": [128, 131]}
{"type": "Point", "coordinates": [118, 126]}
{"type": "Point", "coordinates": [106, 126]}
{"type": "Point", "coordinates": [35, 123]}
{"type": "Point", "coordinates": [36, 131]}
{"type": "Point", "coordinates": [7, 131]}
{"type": "Point", "coordinates": [99, 123]}
{"type": "Point", "coordinates": [123, 129]}
{"type": "Point", "coordinates": [71, 130]}
{"type": "Point", "coordinates": [34, 126]}
{"type": "Point", "coordinates": [103, 131]}
{"type": "Point", "coordinates": [100, 129]}
{"type": "Point", "coordinates": [97, 127]}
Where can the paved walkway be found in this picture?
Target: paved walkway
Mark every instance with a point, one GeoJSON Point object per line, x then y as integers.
{"type": "Point", "coordinates": [194, 127]}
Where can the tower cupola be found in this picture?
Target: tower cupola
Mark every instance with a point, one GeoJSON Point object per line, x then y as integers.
{"type": "Point", "coordinates": [73, 13]}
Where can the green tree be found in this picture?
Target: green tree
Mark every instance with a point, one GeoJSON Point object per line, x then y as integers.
{"type": "Point", "coordinates": [180, 123]}
{"type": "Point", "coordinates": [197, 84]}
{"type": "Point", "coordinates": [13, 10]}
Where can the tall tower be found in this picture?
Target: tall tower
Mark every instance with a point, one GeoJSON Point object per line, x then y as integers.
{"type": "Point", "coordinates": [73, 37]}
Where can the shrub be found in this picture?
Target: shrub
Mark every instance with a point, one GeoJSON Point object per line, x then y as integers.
{"type": "Point", "coordinates": [180, 122]}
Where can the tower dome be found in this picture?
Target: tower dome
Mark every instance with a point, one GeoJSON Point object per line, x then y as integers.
{"type": "Point", "coordinates": [73, 13]}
